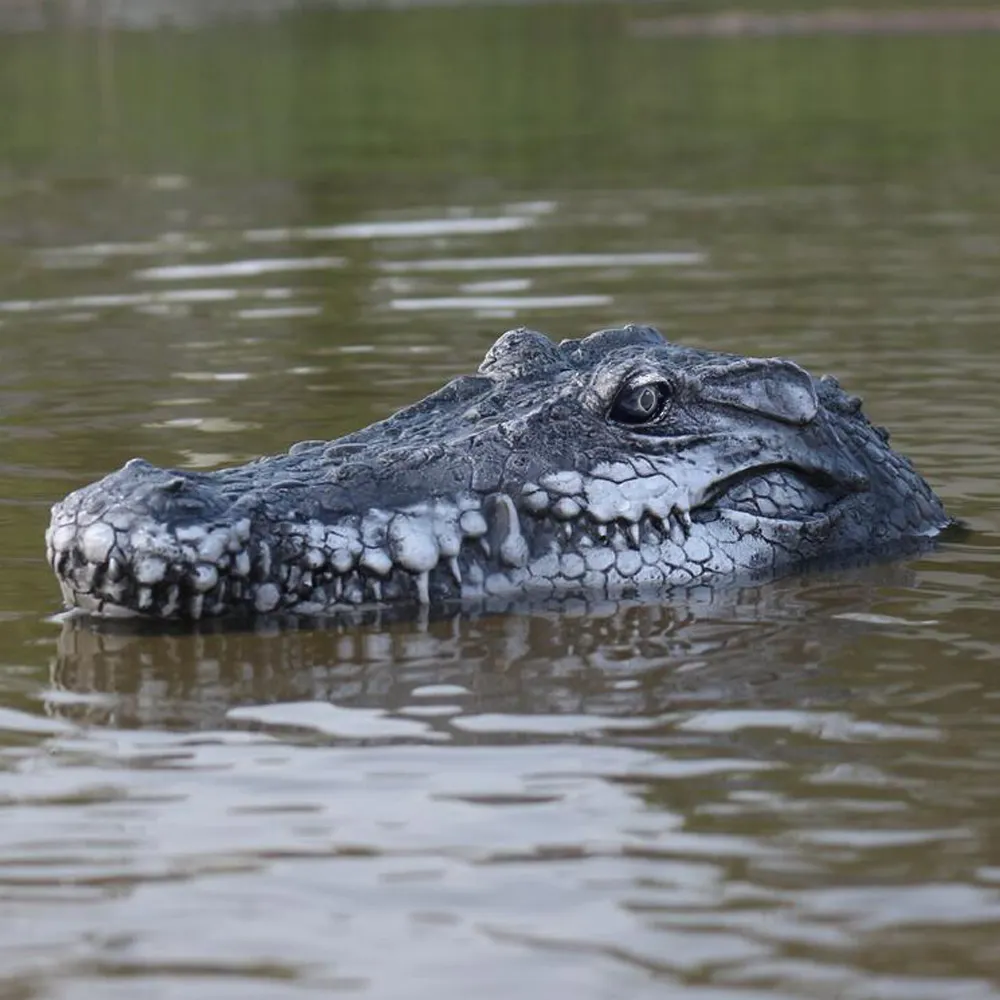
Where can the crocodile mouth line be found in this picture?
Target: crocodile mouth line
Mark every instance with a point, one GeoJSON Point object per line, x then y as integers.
{"type": "Point", "coordinates": [805, 495]}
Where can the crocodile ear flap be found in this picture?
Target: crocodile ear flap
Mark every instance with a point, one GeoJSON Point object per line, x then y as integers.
{"type": "Point", "coordinates": [771, 387]}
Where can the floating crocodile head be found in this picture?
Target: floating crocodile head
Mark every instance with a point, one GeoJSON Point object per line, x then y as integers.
{"type": "Point", "coordinates": [605, 465]}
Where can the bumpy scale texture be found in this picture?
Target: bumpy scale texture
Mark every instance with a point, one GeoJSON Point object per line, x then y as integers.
{"type": "Point", "coordinates": [612, 464]}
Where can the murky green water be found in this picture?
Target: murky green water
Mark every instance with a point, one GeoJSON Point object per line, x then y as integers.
{"type": "Point", "coordinates": [213, 244]}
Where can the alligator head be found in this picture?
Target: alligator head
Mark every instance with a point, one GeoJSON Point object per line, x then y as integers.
{"type": "Point", "coordinates": [607, 464]}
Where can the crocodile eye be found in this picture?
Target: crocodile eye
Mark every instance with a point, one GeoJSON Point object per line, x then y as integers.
{"type": "Point", "coordinates": [638, 404]}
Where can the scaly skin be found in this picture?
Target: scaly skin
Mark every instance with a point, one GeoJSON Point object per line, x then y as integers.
{"type": "Point", "coordinates": [606, 465]}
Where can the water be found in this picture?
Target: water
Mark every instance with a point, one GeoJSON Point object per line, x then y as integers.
{"type": "Point", "coordinates": [215, 243]}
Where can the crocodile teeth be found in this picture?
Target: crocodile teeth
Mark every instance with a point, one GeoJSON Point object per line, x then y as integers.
{"type": "Point", "coordinates": [684, 519]}
{"type": "Point", "coordinates": [220, 594]}
{"type": "Point", "coordinates": [661, 523]}
{"type": "Point", "coordinates": [455, 569]}
{"type": "Point", "coordinates": [505, 530]}
{"type": "Point", "coordinates": [172, 601]}
{"type": "Point", "coordinates": [87, 577]}
{"type": "Point", "coordinates": [263, 561]}
{"type": "Point", "coordinates": [353, 592]}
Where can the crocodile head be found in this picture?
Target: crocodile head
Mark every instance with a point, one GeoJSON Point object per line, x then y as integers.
{"type": "Point", "coordinates": [602, 465]}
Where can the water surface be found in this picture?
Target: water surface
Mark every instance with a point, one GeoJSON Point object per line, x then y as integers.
{"type": "Point", "coordinates": [215, 243]}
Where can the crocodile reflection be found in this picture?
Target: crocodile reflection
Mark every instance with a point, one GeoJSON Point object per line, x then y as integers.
{"type": "Point", "coordinates": [755, 646]}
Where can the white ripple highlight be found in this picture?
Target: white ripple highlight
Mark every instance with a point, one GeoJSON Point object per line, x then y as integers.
{"type": "Point", "coordinates": [279, 312]}
{"type": "Point", "coordinates": [496, 287]}
{"type": "Point", "coordinates": [399, 229]}
{"type": "Point", "coordinates": [545, 262]}
{"type": "Point", "coordinates": [175, 296]}
{"type": "Point", "coordinates": [548, 725]}
{"type": "Point", "coordinates": [333, 720]}
{"type": "Point", "coordinates": [487, 302]}
{"type": "Point", "coordinates": [87, 254]}
{"type": "Point", "coordinates": [237, 268]}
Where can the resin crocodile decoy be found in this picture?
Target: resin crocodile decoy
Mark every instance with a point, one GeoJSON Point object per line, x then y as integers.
{"type": "Point", "coordinates": [607, 465]}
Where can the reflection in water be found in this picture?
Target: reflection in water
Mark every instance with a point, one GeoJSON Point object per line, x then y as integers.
{"type": "Point", "coordinates": [711, 791]}
{"type": "Point", "coordinates": [605, 660]}
{"type": "Point", "coordinates": [709, 661]}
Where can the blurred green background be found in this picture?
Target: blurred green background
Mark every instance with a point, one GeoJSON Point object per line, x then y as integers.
{"type": "Point", "coordinates": [579, 94]}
